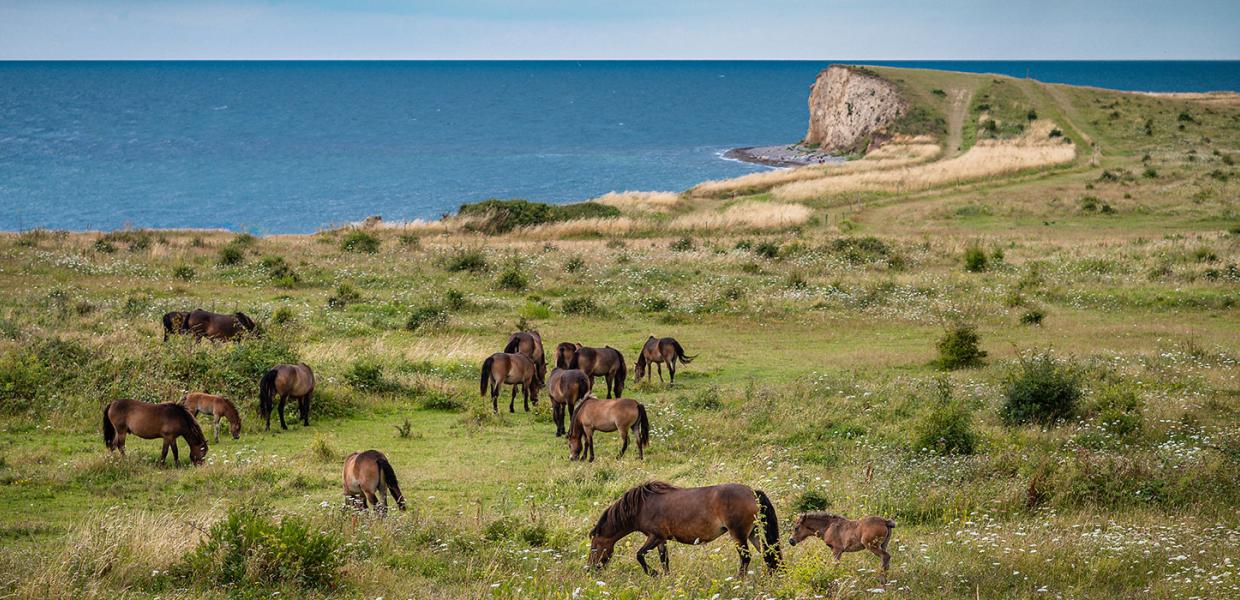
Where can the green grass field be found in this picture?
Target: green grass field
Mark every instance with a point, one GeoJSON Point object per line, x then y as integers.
{"type": "Point", "coordinates": [817, 381]}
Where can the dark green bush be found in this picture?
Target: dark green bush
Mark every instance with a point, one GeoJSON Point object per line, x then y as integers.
{"type": "Point", "coordinates": [811, 500]}
{"type": "Point", "coordinates": [1040, 390]}
{"type": "Point", "coordinates": [501, 216]}
{"type": "Point", "coordinates": [472, 260]}
{"type": "Point", "coordinates": [705, 399]}
{"type": "Point", "coordinates": [345, 295]}
{"type": "Point", "coordinates": [1032, 316]}
{"type": "Point", "coordinates": [858, 250]}
{"type": "Point", "coordinates": [282, 315]}
{"type": "Point", "coordinates": [975, 259]}
{"type": "Point", "coordinates": [1120, 411]}
{"type": "Point", "coordinates": [103, 245]}
{"type": "Point", "coordinates": [231, 254]}
{"type": "Point", "coordinates": [250, 547]}
{"type": "Point", "coordinates": [958, 348]}
{"type": "Point", "coordinates": [366, 375]}
{"type": "Point", "coordinates": [359, 241]}
{"type": "Point", "coordinates": [513, 279]}
{"type": "Point", "coordinates": [946, 426]}
{"type": "Point", "coordinates": [455, 299]}
{"type": "Point", "coordinates": [279, 271]}
{"type": "Point", "coordinates": [578, 306]}
{"type": "Point", "coordinates": [574, 265]}
{"type": "Point", "coordinates": [183, 272]}
{"type": "Point", "coordinates": [651, 303]}
{"type": "Point", "coordinates": [683, 244]}
{"type": "Point", "coordinates": [767, 249]}
{"type": "Point", "coordinates": [426, 316]}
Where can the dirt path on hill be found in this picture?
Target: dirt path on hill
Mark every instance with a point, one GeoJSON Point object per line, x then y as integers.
{"type": "Point", "coordinates": [955, 121]}
{"type": "Point", "coordinates": [1070, 114]}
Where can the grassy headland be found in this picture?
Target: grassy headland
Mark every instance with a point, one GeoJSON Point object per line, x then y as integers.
{"type": "Point", "coordinates": [1102, 286]}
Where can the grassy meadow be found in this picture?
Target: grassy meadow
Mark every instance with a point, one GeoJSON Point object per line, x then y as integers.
{"type": "Point", "coordinates": [1087, 446]}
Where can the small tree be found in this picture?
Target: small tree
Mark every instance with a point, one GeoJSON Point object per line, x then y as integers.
{"type": "Point", "coordinates": [975, 259]}
{"type": "Point", "coordinates": [958, 348]}
{"type": "Point", "coordinates": [1040, 390]}
{"type": "Point", "coordinates": [947, 425]}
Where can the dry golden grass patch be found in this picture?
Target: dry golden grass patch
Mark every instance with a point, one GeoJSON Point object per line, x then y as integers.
{"type": "Point", "coordinates": [605, 226]}
{"type": "Point", "coordinates": [746, 215]}
{"type": "Point", "coordinates": [987, 158]}
{"type": "Point", "coordinates": [641, 202]}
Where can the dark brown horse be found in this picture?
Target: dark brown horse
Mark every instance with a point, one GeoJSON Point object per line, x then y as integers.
{"type": "Point", "coordinates": [289, 381]}
{"type": "Point", "coordinates": [620, 414]}
{"type": "Point", "coordinates": [605, 361]}
{"type": "Point", "coordinates": [514, 369]}
{"type": "Point", "coordinates": [216, 407]}
{"type": "Point", "coordinates": [844, 535]}
{"type": "Point", "coordinates": [566, 387]}
{"type": "Point", "coordinates": [659, 351]}
{"type": "Point", "coordinates": [174, 322]}
{"type": "Point", "coordinates": [665, 512]}
{"type": "Point", "coordinates": [564, 354]}
{"type": "Point", "coordinates": [219, 327]}
{"type": "Point", "coordinates": [149, 421]}
{"type": "Point", "coordinates": [530, 344]}
{"type": "Point", "coordinates": [369, 476]}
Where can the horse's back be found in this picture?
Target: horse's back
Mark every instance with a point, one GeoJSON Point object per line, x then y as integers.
{"type": "Point", "coordinates": [702, 514]}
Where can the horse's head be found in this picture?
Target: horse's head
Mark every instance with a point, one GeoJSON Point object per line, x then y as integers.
{"type": "Point", "coordinates": [601, 548]}
{"type": "Point", "coordinates": [805, 526]}
{"type": "Point", "coordinates": [574, 445]}
{"type": "Point", "coordinates": [234, 427]}
{"type": "Point", "coordinates": [639, 369]}
{"type": "Point", "coordinates": [198, 452]}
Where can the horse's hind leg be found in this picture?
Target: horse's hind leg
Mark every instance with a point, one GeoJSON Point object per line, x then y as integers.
{"type": "Point", "coordinates": [667, 566]}
{"type": "Point", "coordinates": [163, 454]}
{"type": "Point", "coordinates": [305, 408]}
{"type": "Point", "coordinates": [283, 399]}
{"type": "Point", "coordinates": [374, 501]}
{"type": "Point", "coordinates": [659, 366]}
{"type": "Point", "coordinates": [880, 550]}
{"type": "Point", "coordinates": [525, 395]}
{"type": "Point", "coordinates": [557, 413]}
{"type": "Point", "coordinates": [512, 401]}
{"type": "Point", "coordinates": [176, 459]}
{"type": "Point", "coordinates": [624, 437]}
{"type": "Point", "coordinates": [671, 369]}
{"type": "Point", "coordinates": [215, 429]}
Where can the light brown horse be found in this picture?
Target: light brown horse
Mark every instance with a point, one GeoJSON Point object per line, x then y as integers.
{"type": "Point", "coordinates": [174, 322]}
{"type": "Point", "coordinates": [566, 387]}
{"type": "Point", "coordinates": [665, 512]}
{"type": "Point", "coordinates": [564, 354]}
{"type": "Point", "coordinates": [216, 407]}
{"type": "Point", "coordinates": [620, 414]}
{"type": "Point", "coordinates": [149, 421]}
{"type": "Point", "coordinates": [219, 327]}
{"type": "Point", "coordinates": [514, 369]}
{"type": "Point", "coordinates": [844, 535]}
{"type": "Point", "coordinates": [289, 381]}
{"type": "Point", "coordinates": [659, 351]}
{"type": "Point", "coordinates": [605, 361]}
{"type": "Point", "coordinates": [369, 476]}
{"type": "Point", "coordinates": [530, 344]}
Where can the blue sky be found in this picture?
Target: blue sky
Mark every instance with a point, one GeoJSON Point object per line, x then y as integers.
{"type": "Point", "coordinates": [636, 29]}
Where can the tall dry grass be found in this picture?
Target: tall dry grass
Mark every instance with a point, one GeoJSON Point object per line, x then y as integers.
{"type": "Point", "coordinates": [987, 158]}
{"type": "Point", "coordinates": [746, 215]}
{"type": "Point", "coordinates": [640, 203]}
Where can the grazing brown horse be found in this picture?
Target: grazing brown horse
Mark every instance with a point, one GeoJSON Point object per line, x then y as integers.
{"type": "Point", "coordinates": [217, 407]}
{"type": "Point", "coordinates": [566, 387]}
{"type": "Point", "coordinates": [218, 327]}
{"type": "Point", "coordinates": [514, 369]}
{"type": "Point", "coordinates": [367, 474]}
{"type": "Point", "coordinates": [844, 535]}
{"type": "Point", "coordinates": [149, 421]}
{"type": "Point", "coordinates": [564, 354]}
{"type": "Point", "coordinates": [174, 322]}
{"type": "Point", "coordinates": [620, 414]}
{"type": "Point", "coordinates": [605, 361]}
{"type": "Point", "coordinates": [289, 381]}
{"type": "Point", "coordinates": [665, 512]}
{"type": "Point", "coordinates": [529, 344]}
{"type": "Point", "coordinates": [659, 351]}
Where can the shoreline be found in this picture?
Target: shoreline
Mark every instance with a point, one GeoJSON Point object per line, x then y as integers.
{"type": "Point", "coordinates": [785, 156]}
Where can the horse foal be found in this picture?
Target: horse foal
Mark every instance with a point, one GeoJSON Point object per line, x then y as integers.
{"type": "Point", "coordinates": [368, 476]}
{"type": "Point", "coordinates": [216, 407]}
{"type": "Point", "coordinates": [844, 535]}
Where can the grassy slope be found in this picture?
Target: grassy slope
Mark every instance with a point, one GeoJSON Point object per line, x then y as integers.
{"type": "Point", "coordinates": [814, 374]}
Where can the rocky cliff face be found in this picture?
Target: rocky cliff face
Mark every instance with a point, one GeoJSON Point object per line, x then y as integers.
{"type": "Point", "coordinates": [849, 107]}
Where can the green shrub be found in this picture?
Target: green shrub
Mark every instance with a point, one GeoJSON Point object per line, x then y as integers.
{"type": "Point", "coordinates": [512, 279]}
{"type": "Point", "coordinates": [410, 240]}
{"type": "Point", "coordinates": [859, 250]}
{"type": "Point", "coordinates": [1040, 390]}
{"type": "Point", "coordinates": [583, 210]}
{"type": "Point", "coordinates": [282, 315]}
{"type": "Point", "coordinates": [651, 303]}
{"type": "Point", "coordinates": [101, 245]}
{"type": "Point", "coordinates": [183, 272]}
{"type": "Point", "coordinates": [535, 535]}
{"type": "Point", "coordinates": [958, 348]}
{"type": "Point", "coordinates": [705, 399]}
{"type": "Point", "coordinates": [533, 309]}
{"type": "Point", "coordinates": [472, 260]}
{"type": "Point", "coordinates": [744, 245]}
{"type": "Point", "coordinates": [767, 249]}
{"type": "Point", "coordinates": [426, 316]}
{"type": "Point", "coordinates": [366, 375]}
{"type": "Point", "coordinates": [684, 244]}
{"type": "Point", "coordinates": [359, 241]}
{"type": "Point", "coordinates": [946, 426]}
{"type": "Point", "coordinates": [1032, 316]}
{"type": "Point", "coordinates": [501, 529]}
{"type": "Point", "coordinates": [578, 306]}
{"type": "Point", "coordinates": [574, 265]}
{"type": "Point", "coordinates": [975, 260]}
{"type": "Point", "coordinates": [345, 295]}
{"type": "Point", "coordinates": [250, 547]}
{"type": "Point", "coordinates": [1119, 411]}
{"type": "Point", "coordinates": [436, 400]}
{"type": "Point", "coordinates": [811, 500]}
{"type": "Point", "coordinates": [1150, 173]}
{"type": "Point", "coordinates": [455, 299]}
{"type": "Point", "coordinates": [501, 216]}
{"type": "Point", "coordinates": [279, 271]}
{"type": "Point", "coordinates": [231, 254]}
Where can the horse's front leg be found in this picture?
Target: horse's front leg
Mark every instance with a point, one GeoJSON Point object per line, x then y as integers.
{"type": "Point", "coordinates": [608, 380]}
{"type": "Point", "coordinates": [283, 399]}
{"type": "Point", "coordinates": [215, 430]}
{"type": "Point", "coordinates": [652, 541]}
{"type": "Point", "coordinates": [590, 441]}
{"type": "Point", "coordinates": [742, 548]}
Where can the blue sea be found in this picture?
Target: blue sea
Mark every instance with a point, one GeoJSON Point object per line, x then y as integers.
{"type": "Point", "coordinates": [289, 147]}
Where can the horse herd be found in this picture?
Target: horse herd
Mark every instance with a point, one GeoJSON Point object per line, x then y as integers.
{"type": "Point", "coordinates": [657, 509]}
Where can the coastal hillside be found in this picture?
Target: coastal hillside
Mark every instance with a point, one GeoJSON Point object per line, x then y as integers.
{"type": "Point", "coordinates": [1008, 325]}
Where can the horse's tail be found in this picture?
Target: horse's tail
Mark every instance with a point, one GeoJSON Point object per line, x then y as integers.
{"type": "Point", "coordinates": [643, 425]}
{"type": "Point", "coordinates": [109, 432]}
{"type": "Point", "coordinates": [680, 353]}
{"type": "Point", "coordinates": [574, 362]}
{"type": "Point", "coordinates": [266, 390]}
{"type": "Point", "coordinates": [389, 477]}
{"type": "Point", "coordinates": [513, 343]}
{"type": "Point", "coordinates": [770, 524]}
{"type": "Point", "coordinates": [486, 374]}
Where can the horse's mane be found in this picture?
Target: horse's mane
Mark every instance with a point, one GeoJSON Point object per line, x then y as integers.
{"type": "Point", "coordinates": [575, 428]}
{"type": "Point", "coordinates": [820, 515]}
{"type": "Point", "coordinates": [192, 429]}
{"type": "Point", "coordinates": [620, 515]}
